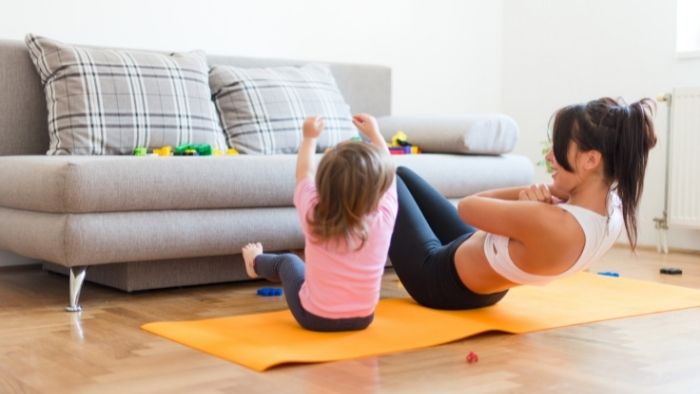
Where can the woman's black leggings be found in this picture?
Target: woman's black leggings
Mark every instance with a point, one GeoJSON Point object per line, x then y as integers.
{"type": "Point", "coordinates": [427, 233]}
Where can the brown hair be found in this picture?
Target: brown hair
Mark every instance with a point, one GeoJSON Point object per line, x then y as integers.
{"type": "Point", "coordinates": [622, 133]}
{"type": "Point", "coordinates": [351, 179]}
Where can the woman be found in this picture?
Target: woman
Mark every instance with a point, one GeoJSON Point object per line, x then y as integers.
{"type": "Point", "coordinates": [527, 235]}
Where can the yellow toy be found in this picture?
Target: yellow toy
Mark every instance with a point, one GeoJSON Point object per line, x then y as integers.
{"type": "Point", "coordinates": [219, 152]}
{"type": "Point", "coordinates": [400, 145]}
{"type": "Point", "coordinates": [399, 139]}
{"type": "Point", "coordinates": [167, 150]}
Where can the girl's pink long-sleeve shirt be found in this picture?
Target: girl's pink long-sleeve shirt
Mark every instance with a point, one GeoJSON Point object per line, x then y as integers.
{"type": "Point", "coordinates": [341, 283]}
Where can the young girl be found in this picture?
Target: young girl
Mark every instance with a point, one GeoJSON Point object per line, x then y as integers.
{"type": "Point", "coordinates": [347, 215]}
{"type": "Point", "coordinates": [527, 235]}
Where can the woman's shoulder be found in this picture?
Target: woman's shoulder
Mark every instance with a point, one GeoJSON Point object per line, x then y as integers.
{"type": "Point", "coordinates": [512, 218]}
{"type": "Point", "coordinates": [545, 225]}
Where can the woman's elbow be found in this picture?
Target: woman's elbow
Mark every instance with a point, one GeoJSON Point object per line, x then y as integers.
{"type": "Point", "coordinates": [464, 208]}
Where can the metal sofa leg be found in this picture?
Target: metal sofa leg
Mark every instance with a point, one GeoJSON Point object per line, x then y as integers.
{"type": "Point", "coordinates": [76, 277]}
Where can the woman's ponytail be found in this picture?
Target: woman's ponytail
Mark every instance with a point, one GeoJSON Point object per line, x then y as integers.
{"type": "Point", "coordinates": [635, 137]}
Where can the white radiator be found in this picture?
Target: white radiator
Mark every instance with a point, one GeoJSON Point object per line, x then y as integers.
{"type": "Point", "coordinates": [683, 194]}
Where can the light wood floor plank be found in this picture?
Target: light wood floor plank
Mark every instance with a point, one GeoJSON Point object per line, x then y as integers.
{"type": "Point", "coordinates": [102, 350]}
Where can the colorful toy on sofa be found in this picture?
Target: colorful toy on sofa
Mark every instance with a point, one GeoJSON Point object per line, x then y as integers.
{"type": "Point", "coordinates": [166, 150]}
{"type": "Point", "coordinates": [185, 150]}
{"type": "Point", "coordinates": [193, 150]}
{"type": "Point", "coordinates": [228, 152]}
{"type": "Point", "coordinates": [400, 145]}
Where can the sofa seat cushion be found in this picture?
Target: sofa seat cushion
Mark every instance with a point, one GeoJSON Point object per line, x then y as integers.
{"type": "Point", "coordinates": [81, 184]}
{"type": "Point", "coordinates": [457, 176]}
{"type": "Point", "coordinates": [85, 184]}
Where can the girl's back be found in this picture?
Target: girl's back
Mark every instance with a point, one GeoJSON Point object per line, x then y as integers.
{"type": "Point", "coordinates": [341, 280]}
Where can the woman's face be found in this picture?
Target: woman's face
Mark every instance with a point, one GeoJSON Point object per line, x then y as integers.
{"type": "Point", "coordinates": [562, 179]}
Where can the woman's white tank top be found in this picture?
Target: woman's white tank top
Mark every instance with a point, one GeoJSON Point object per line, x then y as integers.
{"type": "Point", "coordinates": [600, 233]}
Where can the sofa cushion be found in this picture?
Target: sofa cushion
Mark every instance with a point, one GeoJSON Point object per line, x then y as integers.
{"type": "Point", "coordinates": [108, 101]}
{"type": "Point", "coordinates": [262, 109]}
{"type": "Point", "coordinates": [468, 133]}
{"type": "Point", "coordinates": [83, 184]}
{"type": "Point", "coordinates": [101, 238]}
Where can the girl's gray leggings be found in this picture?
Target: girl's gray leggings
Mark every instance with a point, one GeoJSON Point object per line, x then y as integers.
{"type": "Point", "coordinates": [289, 269]}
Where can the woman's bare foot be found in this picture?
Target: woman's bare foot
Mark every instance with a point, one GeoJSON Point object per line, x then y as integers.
{"type": "Point", "coordinates": [249, 253]}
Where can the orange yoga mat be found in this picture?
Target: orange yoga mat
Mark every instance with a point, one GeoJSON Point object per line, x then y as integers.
{"type": "Point", "coordinates": [264, 340]}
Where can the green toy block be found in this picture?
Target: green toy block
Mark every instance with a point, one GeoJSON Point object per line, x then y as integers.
{"type": "Point", "coordinates": [186, 149]}
{"type": "Point", "coordinates": [203, 149]}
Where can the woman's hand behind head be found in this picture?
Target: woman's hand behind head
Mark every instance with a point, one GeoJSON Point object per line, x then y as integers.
{"type": "Point", "coordinates": [538, 192]}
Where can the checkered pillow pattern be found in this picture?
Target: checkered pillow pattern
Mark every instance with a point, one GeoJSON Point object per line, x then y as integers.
{"type": "Point", "coordinates": [262, 109]}
{"type": "Point", "coordinates": [107, 101]}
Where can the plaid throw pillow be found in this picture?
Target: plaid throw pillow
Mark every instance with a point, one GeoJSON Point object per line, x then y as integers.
{"type": "Point", "coordinates": [108, 101]}
{"type": "Point", "coordinates": [262, 109]}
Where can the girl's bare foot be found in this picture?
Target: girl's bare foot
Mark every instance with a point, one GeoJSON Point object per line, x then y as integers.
{"type": "Point", "coordinates": [249, 253]}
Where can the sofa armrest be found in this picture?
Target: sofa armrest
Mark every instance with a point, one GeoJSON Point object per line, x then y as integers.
{"type": "Point", "coordinates": [470, 133]}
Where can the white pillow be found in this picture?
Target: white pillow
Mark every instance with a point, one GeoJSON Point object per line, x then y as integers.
{"type": "Point", "coordinates": [477, 134]}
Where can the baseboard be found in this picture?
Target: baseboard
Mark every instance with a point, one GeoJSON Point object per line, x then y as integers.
{"type": "Point", "coordinates": [651, 248]}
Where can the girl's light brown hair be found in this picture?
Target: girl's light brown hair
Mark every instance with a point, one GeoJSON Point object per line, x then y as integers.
{"type": "Point", "coordinates": [351, 179]}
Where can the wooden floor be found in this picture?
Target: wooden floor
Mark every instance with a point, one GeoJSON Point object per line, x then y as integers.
{"type": "Point", "coordinates": [102, 350]}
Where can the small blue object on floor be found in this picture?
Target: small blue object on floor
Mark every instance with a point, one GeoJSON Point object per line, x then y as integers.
{"type": "Point", "coordinates": [269, 292]}
{"type": "Point", "coordinates": [609, 273]}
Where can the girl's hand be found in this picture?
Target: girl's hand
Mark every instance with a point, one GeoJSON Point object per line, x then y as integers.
{"type": "Point", "coordinates": [367, 124]}
{"type": "Point", "coordinates": [538, 192]}
{"type": "Point", "coordinates": [313, 126]}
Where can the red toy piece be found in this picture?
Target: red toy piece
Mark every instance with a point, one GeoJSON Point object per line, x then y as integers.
{"type": "Point", "coordinates": [472, 358]}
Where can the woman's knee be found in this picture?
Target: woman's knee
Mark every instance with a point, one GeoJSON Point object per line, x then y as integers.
{"type": "Point", "coordinates": [402, 171]}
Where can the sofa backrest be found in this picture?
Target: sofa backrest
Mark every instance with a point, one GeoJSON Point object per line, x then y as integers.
{"type": "Point", "coordinates": [23, 116]}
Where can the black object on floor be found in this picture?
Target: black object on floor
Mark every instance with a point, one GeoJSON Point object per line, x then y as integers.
{"type": "Point", "coordinates": [671, 271]}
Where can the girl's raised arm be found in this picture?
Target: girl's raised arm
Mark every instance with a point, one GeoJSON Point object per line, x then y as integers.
{"type": "Point", "coordinates": [313, 126]}
{"type": "Point", "coordinates": [368, 126]}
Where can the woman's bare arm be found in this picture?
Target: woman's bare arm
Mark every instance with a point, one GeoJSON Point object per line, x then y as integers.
{"type": "Point", "coordinates": [517, 219]}
{"type": "Point", "coordinates": [535, 192]}
{"type": "Point", "coordinates": [506, 193]}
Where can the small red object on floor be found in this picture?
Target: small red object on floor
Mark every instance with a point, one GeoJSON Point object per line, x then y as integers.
{"type": "Point", "coordinates": [472, 357]}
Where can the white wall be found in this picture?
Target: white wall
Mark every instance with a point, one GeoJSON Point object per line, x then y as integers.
{"type": "Point", "coordinates": [445, 54]}
{"type": "Point", "coordinates": [561, 52]}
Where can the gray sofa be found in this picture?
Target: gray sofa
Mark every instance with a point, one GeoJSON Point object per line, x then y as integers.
{"type": "Point", "coordinates": [149, 222]}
